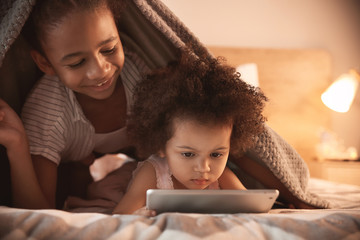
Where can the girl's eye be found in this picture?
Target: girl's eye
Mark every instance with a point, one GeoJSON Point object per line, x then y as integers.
{"type": "Point", "coordinates": [216, 155]}
{"type": "Point", "coordinates": [109, 51]}
{"type": "Point", "coordinates": [77, 64]}
{"type": "Point", "coordinates": [188, 154]}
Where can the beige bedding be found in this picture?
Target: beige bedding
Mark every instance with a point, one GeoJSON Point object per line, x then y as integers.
{"type": "Point", "coordinates": [342, 222]}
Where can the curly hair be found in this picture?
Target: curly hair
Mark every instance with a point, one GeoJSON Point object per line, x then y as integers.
{"type": "Point", "coordinates": [204, 89]}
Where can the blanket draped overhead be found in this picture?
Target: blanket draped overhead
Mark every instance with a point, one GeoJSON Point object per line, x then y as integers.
{"type": "Point", "coordinates": [154, 32]}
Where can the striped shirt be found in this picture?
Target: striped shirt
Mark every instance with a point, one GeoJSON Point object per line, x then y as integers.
{"type": "Point", "coordinates": [56, 126]}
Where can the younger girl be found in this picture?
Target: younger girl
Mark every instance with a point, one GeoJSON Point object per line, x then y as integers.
{"type": "Point", "coordinates": [79, 107]}
{"type": "Point", "coordinates": [192, 115]}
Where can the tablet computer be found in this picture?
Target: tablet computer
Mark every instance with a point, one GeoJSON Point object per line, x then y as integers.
{"type": "Point", "coordinates": [211, 201]}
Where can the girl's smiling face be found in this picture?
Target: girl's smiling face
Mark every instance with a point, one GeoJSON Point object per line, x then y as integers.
{"type": "Point", "coordinates": [197, 153]}
{"type": "Point", "coordinates": [84, 50]}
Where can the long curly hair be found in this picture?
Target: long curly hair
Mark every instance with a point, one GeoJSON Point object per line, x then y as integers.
{"type": "Point", "coordinates": [204, 89]}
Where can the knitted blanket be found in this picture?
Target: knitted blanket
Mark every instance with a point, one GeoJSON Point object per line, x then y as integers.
{"type": "Point", "coordinates": [154, 31]}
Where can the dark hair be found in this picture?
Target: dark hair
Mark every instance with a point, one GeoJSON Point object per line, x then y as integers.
{"type": "Point", "coordinates": [202, 89]}
{"type": "Point", "coordinates": [47, 14]}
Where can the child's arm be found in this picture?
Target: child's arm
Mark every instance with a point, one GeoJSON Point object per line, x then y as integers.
{"type": "Point", "coordinates": [228, 180]}
{"type": "Point", "coordinates": [135, 198]}
{"type": "Point", "coordinates": [25, 186]}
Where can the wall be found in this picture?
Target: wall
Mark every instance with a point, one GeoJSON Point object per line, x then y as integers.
{"type": "Point", "coordinates": [333, 25]}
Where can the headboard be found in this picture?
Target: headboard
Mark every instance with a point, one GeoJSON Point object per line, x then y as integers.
{"type": "Point", "coordinates": [293, 80]}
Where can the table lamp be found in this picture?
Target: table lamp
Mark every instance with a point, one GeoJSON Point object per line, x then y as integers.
{"type": "Point", "coordinates": [341, 93]}
{"type": "Point", "coordinates": [339, 97]}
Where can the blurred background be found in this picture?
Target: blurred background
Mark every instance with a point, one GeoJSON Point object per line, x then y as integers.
{"type": "Point", "coordinates": [331, 25]}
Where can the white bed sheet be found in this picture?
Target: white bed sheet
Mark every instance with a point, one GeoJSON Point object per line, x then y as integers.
{"type": "Point", "coordinates": [342, 222]}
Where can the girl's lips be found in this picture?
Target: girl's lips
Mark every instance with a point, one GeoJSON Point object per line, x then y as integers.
{"type": "Point", "coordinates": [103, 85]}
{"type": "Point", "coordinates": [200, 181]}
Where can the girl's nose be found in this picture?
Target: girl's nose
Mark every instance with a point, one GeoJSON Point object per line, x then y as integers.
{"type": "Point", "coordinates": [98, 68]}
{"type": "Point", "coordinates": [202, 165]}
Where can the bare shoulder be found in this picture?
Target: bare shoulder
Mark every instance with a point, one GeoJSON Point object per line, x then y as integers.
{"type": "Point", "coordinates": [145, 176]}
{"type": "Point", "coordinates": [146, 169]}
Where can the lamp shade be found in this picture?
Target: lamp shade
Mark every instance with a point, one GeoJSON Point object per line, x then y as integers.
{"type": "Point", "coordinates": [341, 93]}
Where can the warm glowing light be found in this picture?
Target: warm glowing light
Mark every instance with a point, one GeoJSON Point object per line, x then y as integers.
{"type": "Point", "coordinates": [340, 95]}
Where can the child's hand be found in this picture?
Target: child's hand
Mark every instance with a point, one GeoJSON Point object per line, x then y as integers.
{"type": "Point", "coordinates": [145, 212]}
{"type": "Point", "coordinates": [11, 128]}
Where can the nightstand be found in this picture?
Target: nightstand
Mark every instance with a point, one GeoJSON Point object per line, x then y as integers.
{"type": "Point", "coordinates": [336, 171]}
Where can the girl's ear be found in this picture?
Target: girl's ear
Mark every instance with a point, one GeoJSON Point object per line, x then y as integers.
{"type": "Point", "coordinates": [42, 62]}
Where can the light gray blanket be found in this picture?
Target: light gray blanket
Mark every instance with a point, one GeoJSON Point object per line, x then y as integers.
{"type": "Point", "coordinates": [277, 224]}
{"type": "Point", "coordinates": [154, 32]}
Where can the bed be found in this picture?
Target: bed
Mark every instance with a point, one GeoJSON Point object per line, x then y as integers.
{"type": "Point", "coordinates": [293, 79]}
{"type": "Point", "coordinates": [341, 222]}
